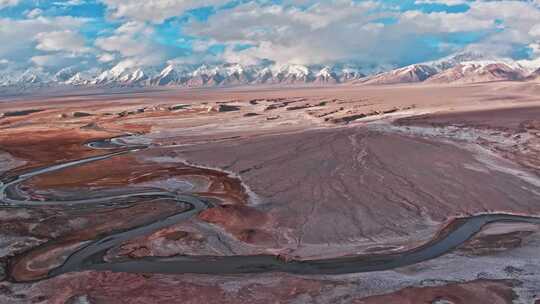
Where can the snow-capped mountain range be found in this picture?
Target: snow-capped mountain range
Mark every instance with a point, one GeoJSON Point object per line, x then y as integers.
{"type": "Point", "coordinates": [460, 68]}
{"type": "Point", "coordinates": [185, 75]}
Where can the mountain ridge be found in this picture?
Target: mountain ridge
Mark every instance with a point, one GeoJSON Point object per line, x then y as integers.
{"type": "Point", "coordinates": [459, 68]}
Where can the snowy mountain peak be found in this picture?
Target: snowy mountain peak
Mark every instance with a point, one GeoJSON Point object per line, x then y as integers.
{"type": "Point", "coordinates": [205, 70]}
{"type": "Point", "coordinates": [481, 71]}
{"type": "Point", "coordinates": [295, 70]}
{"type": "Point", "coordinates": [77, 79]}
{"type": "Point", "coordinates": [325, 72]}
{"type": "Point", "coordinates": [234, 69]}
{"type": "Point", "coordinates": [167, 71]}
{"type": "Point", "coordinates": [408, 74]}
{"type": "Point", "coordinates": [463, 67]}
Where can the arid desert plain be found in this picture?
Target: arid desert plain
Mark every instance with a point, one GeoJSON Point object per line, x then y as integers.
{"type": "Point", "coordinates": [418, 193]}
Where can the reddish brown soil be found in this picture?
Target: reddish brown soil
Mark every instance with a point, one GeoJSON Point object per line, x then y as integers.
{"type": "Point", "coordinates": [241, 221]}
{"type": "Point", "coordinates": [170, 241]}
{"type": "Point", "coordinates": [499, 238]}
{"type": "Point", "coordinates": [490, 244]}
{"type": "Point", "coordinates": [494, 292]}
{"type": "Point", "coordinates": [129, 170]}
{"type": "Point", "coordinates": [35, 263]}
{"type": "Point", "coordinates": [49, 146]}
{"type": "Point", "coordinates": [131, 288]}
{"type": "Point", "coordinates": [514, 119]}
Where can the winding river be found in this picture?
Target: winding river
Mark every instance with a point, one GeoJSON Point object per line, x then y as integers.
{"type": "Point", "coordinates": [91, 256]}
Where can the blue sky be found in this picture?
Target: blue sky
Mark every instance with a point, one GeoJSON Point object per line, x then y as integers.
{"type": "Point", "coordinates": [97, 34]}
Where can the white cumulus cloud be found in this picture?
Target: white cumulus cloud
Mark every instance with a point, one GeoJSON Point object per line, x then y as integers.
{"type": "Point", "coordinates": [342, 30]}
{"type": "Point", "coordinates": [132, 41]}
{"type": "Point", "coordinates": [155, 10]}
{"type": "Point", "coordinates": [23, 35]}
{"type": "Point", "coordinates": [67, 40]}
